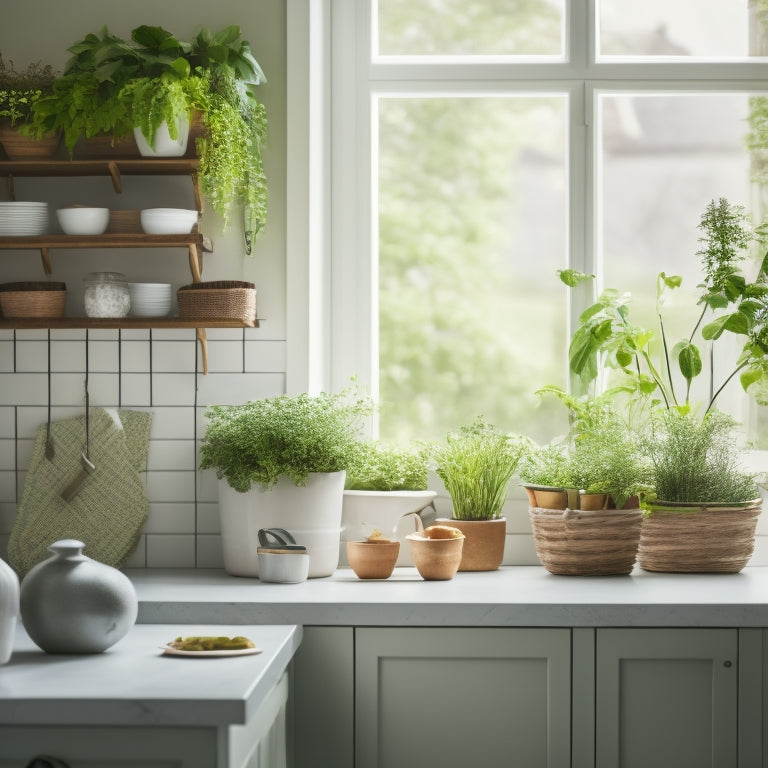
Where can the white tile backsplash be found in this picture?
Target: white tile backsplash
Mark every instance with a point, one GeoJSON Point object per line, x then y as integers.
{"type": "Point", "coordinates": [149, 371]}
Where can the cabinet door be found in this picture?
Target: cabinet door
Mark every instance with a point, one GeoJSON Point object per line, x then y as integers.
{"type": "Point", "coordinates": [322, 699]}
{"type": "Point", "coordinates": [462, 697]}
{"type": "Point", "coordinates": [666, 698]}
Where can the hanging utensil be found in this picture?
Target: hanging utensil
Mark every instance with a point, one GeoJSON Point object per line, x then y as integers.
{"type": "Point", "coordinates": [87, 466]}
{"type": "Point", "coordinates": [49, 449]}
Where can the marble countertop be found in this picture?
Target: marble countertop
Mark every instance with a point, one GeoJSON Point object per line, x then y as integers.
{"type": "Point", "coordinates": [512, 596]}
{"type": "Point", "coordinates": [134, 683]}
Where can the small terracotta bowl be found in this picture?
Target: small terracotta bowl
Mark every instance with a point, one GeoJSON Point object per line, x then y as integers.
{"type": "Point", "coordinates": [436, 559]}
{"type": "Point", "coordinates": [373, 560]}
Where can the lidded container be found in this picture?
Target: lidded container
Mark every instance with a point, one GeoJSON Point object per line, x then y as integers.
{"type": "Point", "coordinates": [106, 294]}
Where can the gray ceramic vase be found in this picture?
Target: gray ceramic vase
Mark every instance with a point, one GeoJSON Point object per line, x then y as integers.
{"type": "Point", "coordinates": [73, 604]}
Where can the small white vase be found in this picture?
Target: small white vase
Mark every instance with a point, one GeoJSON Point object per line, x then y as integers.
{"type": "Point", "coordinates": [9, 609]}
{"type": "Point", "coordinates": [164, 145]}
{"type": "Point", "coordinates": [71, 603]}
{"type": "Point", "coordinates": [311, 513]}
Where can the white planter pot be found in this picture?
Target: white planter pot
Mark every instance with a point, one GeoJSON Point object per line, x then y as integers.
{"type": "Point", "coordinates": [312, 514]}
{"type": "Point", "coordinates": [364, 511]}
{"type": "Point", "coordinates": [165, 146]}
{"type": "Point", "coordinates": [9, 609]}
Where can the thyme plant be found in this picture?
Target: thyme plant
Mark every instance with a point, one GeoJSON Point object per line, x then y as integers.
{"type": "Point", "coordinates": [374, 466]}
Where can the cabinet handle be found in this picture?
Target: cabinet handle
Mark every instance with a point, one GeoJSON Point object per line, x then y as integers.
{"type": "Point", "coordinates": [728, 664]}
{"type": "Point", "coordinates": [46, 761]}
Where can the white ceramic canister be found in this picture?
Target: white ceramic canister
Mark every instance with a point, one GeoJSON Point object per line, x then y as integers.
{"type": "Point", "coordinates": [9, 609]}
{"type": "Point", "coordinates": [71, 603]}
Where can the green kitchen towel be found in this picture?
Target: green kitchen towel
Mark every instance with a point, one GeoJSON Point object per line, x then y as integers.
{"type": "Point", "coordinates": [111, 506]}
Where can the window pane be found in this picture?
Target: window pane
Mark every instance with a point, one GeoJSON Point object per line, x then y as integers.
{"type": "Point", "coordinates": [472, 227]}
{"type": "Point", "coordinates": [459, 28]}
{"type": "Point", "coordinates": [664, 157]}
{"type": "Point", "coordinates": [712, 29]}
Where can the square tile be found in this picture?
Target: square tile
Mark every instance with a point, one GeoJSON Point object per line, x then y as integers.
{"type": "Point", "coordinates": [170, 550]}
{"type": "Point", "coordinates": [209, 554]}
{"type": "Point", "coordinates": [170, 517]}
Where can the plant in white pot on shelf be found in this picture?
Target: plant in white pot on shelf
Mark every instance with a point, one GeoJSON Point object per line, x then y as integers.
{"type": "Point", "coordinates": [385, 485]}
{"type": "Point", "coordinates": [476, 464]}
{"type": "Point", "coordinates": [281, 464]}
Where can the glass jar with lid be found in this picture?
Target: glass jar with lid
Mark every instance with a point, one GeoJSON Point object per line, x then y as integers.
{"type": "Point", "coordinates": [106, 294]}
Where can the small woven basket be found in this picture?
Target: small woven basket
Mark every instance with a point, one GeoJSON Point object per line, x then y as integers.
{"type": "Point", "coordinates": [124, 222]}
{"type": "Point", "coordinates": [698, 539]}
{"type": "Point", "coordinates": [218, 300]}
{"type": "Point", "coordinates": [573, 542]}
{"type": "Point", "coordinates": [33, 299]}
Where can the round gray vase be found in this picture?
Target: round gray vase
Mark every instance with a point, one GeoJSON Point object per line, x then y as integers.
{"type": "Point", "coordinates": [71, 603]}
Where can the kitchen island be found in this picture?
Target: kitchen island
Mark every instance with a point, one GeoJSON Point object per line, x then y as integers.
{"type": "Point", "coordinates": [135, 705]}
{"type": "Point", "coordinates": [646, 669]}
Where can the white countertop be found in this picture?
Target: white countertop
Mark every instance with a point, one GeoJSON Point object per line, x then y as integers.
{"type": "Point", "coordinates": [512, 596]}
{"type": "Point", "coordinates": [134, 683]}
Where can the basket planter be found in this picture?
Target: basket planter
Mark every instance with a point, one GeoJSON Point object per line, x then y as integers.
{"type": "Point", "coordinates": [33, 299]}
{"type": "Point", "coordinates": [685, 538]}
{"type": "Point", "coordinates": [106, 147]}
{"type": "Point", "coordinates": [218, 300]}
{"type": "Point", "coordinates": [17, 146]}
{"type": "Point", "coordinates": [483, 542]}
{"type": "Point", "coordinates": [574, 542]}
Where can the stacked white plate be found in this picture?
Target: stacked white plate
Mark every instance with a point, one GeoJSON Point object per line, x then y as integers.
{"type": "Point", "coordinates": [150, 299]}
{"type": "Point", "coordinates": [20, 219]}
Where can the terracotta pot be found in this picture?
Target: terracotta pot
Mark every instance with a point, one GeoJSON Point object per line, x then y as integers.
{"type": "Point", "coordinates": [372, 560]}
{"type": "Point", "coordinates": [20, 147]}
{"type": "Point", "coordinates": [436, 559]}
{"type": "Point", "coordinates": [714, 538]}
{"type": "Point", "coordinates": [593, 501]}
{"type": "Point", "coordinates": [547, 497]}
{"type": "Point", "coordinates": [483, 543]}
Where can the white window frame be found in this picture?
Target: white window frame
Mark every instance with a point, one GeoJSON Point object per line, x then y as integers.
{"type": "Point", "coordinates": [332, 87]}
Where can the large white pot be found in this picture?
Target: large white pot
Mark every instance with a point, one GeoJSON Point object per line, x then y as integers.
{"type": "Point", "coordinates": [9, 609]}
{"type": "Point", "coordinates": [164, 145]}
{"type": "Point", "coordinates": [312, 514]}
{"type": "Point", "coordinates": [364, 511]}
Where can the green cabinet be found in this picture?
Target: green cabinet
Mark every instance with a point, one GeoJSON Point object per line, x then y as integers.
{"type": "Point", "coordinates": [666, 697]}
{"type": "Point", "coordinates": [462, 697]}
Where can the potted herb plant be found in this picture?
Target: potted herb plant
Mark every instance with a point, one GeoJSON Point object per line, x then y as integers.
{"type": "Point", "coordinates": [281, 464]}
{"type": "Point", "coordinates": [594, 526]}
{"type": "Point", "coordinates": [659, 375]}
{"type": "Point", "coordinates": [384, 485]}
{"type": "Point", "coordinates": [704, 509]}
{"type": "Point", "coordinates": [19, 91]}
{"type": "Point", "coordinates": [476, 464]}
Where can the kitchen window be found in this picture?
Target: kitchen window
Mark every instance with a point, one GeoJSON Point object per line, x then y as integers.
{"type": "Point", "coordinates": [476, 148]}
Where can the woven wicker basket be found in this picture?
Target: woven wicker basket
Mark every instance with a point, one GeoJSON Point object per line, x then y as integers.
{"type": "Point", "coordinates": [124, 222]}
{"type": "Point", "coordinates": [601, 542]}
{"type": "Point", "coordinates": [218, 300]}
{"type": "Point", "coordinates": [33, 299]}
{"type": "Point", "coordinates": [698, 539]}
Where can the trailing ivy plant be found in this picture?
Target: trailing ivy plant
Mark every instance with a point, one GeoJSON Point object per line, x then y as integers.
{"type": "Point", "coordinates": [606, 337]}
{"type": "Point", "coordinates": [476, 464]}
{"type": "Point", "coordinates": [375, 466]}
{"type": "Point", "coordinates": [293, 436]}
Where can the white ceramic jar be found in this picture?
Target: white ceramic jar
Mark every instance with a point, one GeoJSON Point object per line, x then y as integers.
{"type": "Point", "coordinates": [106, 294]}
{"type": "Point", "coordinates": [9, 609]}
{"type": "Point", "coordinates": [71, 603]}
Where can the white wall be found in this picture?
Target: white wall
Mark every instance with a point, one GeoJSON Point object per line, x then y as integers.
{"type": "Point", "coordinates": [138, 369]}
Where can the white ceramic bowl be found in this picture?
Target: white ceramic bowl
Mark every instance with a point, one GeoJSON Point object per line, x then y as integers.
{"type": "Point", "coordinates": [83, 221]}
{"type": "Point", "coordinates": [282, 568]}
{"type": "Point", "coordinates": [150, 299]}
{"type": "Point", "coordinates": [168, 221]}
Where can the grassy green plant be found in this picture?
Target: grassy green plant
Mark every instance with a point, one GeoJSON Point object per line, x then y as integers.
{"type": "Point", "coordinates": [374, 466]}
{"type": "Point", "coordinates": [475, 465]}
{"type": "Point", "coordinates": [606, 337]}
{"type": "Point", "coordinates": [697, 461]}
{"type": "Point", "coordinates": [262, 440]}
{"type": "Point", "coordinates": [21, 89]}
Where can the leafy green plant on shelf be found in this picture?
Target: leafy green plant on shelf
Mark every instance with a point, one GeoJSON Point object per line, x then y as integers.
{"type": "Point", "coordinates": [21, 89]}
{"type": "Point", "coordinates": [111, 85]}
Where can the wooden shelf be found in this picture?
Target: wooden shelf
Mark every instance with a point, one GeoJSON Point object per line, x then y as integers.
{"type": "Point", "coordinates": [58, 323]}
{"type": "Point", "coordinates": [113, 240]}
